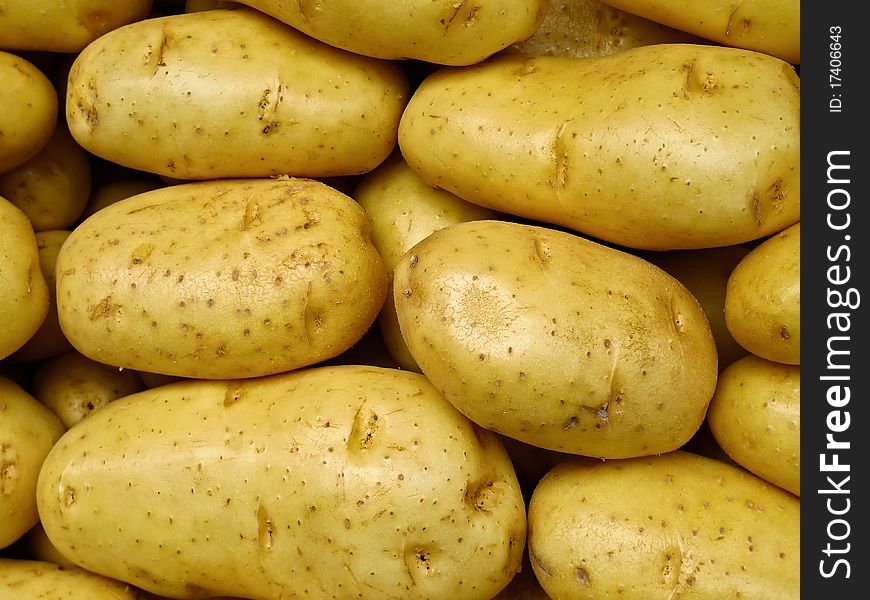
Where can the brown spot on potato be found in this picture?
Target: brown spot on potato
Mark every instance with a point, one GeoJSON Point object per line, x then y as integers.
{"type": "Point", "coordinates": [783, 333]}
{"type": "Point", "coordinates": [233, 394]}
{"type": "Point", "coordinates": [103, 309]}
{"type": "Point", "coordinates": [582, 576]}
{"type": "Point", "coordinates": [362, 432]}
{"type": "Point", "coordinates": [141, 253]}
{"type": "Point", "coordinates": [8, 469]}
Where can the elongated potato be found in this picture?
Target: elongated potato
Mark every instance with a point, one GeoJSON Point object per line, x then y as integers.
{"type": "Point", "coordinates": [66, 26]}
{"type": "Point", "coordinates": [333, 482]}
{"type": "Point", "coordinates": [48, 340]}
{"type": "Point", "coordinates": [447, 33]}
{"type": "Point", "coordinates": [230, 278]}
{"type": "Point", "coordinates": [20, 578]}
{"type": "Point", "coordinates": [763, 298]}
{"type": "Point", "coordinates": [403, 210]}
{"type": "Point", "coordinates": [28, 430]}
{"type": "Point", "coordinates": [555, 340]}
{"type": "Point", "coordinates": [669, 146]}
{"type": "Point", "coordinates": [29, 113]}
{"type": "Point", "coordinates": [232, 93]}
{"type": "Point", "coordinates": [584, 28]}
{"type": "Point", "coordinates": [24, 295]}
{"type": "Point", "coordinates": [657, 528]}
{"type": "Point", "coordinates": [755, 416]}
{"type": "Point", "coordinates": [769, 26]}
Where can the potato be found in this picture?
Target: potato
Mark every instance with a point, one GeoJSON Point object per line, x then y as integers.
{"type": "Point", "coordinates": [583, 28]}
{"type": "Point", "coordinates": [333, 482]}
{"type": "Point", "coordinates": [661, 527]}
{"type": "Point", "coordinates": [111, 191]}
{"type": "Point", "coordinates": [49, 339]}
{"type": "Point", "coordinates": [221, 279]}
{"type": "Point", "coordinates": [669, 146]}
{"type": "Point", "coordinates": [29, 113]}
{"type": "Point", "coordinates": [53, 187]}
{"type": "Point", "coordinates": [24, 295]}
{"type": "Point", "coordinates": [705, 274]}
{"type": "Point", "coordinates": [74, 386]}
{"type": "Point", "coordinates": [36, 546]}
{"type": "Point", "coordinates": [526, 331]}
{"type": "Point", "coordinates": [20, 578]}
{"type": "Point", "coordinates": [28, 430]}
{"type": "Point", "coordinates": [66, 26]}
{"type": "Point", "coordinates": [403, 210]}
{"type": "Point", "coordinates": [448, 33]}
{"type": "Point", "coordinates": [755, 416]}
{"type": "Point", "coordinates": [763, 298]}
{"type": "Point", "coordinates": [232, 93]}
{"type": "Point", "coordinates": [768, 26]}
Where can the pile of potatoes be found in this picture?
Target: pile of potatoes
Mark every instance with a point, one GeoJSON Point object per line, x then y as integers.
{"type": "Point", "coordinates": [465, 299]}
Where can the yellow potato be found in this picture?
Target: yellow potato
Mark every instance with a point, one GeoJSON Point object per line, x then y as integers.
{"type": "Point", "coordinates": [705, 273]}
{"type": "Point", "coordinates": [668, 146]}
{"type": "Point", "coordinates": [768, 26]}
{"type": "Point", "coordinates": [221, 279]}
{"type": "Point", "coordinates": [584, 28]}
{"type": "Point", "coordinates": [29, 113]}
{"type": "Point", "coordinates": [403, 210]}
{"type": "Point", "coordinates": [755, 416]}
{"type": "Point", "coordinates": [447, 33]}
{"type": "Point", "coordinates": [232, 93]}
{"type": "Point", "coordinates": [28, 430]}
{"type": "Point", "coordinates": [763, 298]}
{"type": "Point", "coordinates": [663, 527]}
{"type": "Point", "coordinates": [333, 482]}
{"type": "Point", "coordinates": [21, 578]}
{"type": "Point", "coordinates": [555, 340]}
{"type": "Point", "coordinates": [49, 339]}
{"type": "Point", "coordinates": [24, 295]}
{"type": "Point", "coordinates": [53, 187]}
{"type": "Point", "coordinates": [66, 26]}
{"type": "Point", "coordinates": [73, 386]}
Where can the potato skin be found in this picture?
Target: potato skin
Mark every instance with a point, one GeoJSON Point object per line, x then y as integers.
{"type": "Point", "coordinates": [699, 529]}
{"type": "Point", "coordinates": [768, 26]}
{"type": "Point", "coordinates": [247, 97]}
{"type": "Point", "coordinates": [222, 279]}
{"type": "Point", "coordinates": [763, 298]}
{"type": "Point", "coordinates": [28, 430]}
{"type": "Point", "coordinates": [29, 113]}
{"type": "Point", "coordinates": [755, 416]}
{"type": "Point", "coordinates": [24, 295]}
{"type": "Point", "coordinates": [447, 33]}
{"type": "Point", "coordinates": [642, 148]}
{"type": "Point", "coordinates": [333, 481]}
{"type": "Point", "coordinates": [21, 578]}
{"type": "Point", "coordinates": [528, 333]}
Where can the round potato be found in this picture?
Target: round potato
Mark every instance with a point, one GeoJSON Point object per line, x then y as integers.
{"type": "Point", "coordinates": [334, 482]}
{"type": "Point", "coordinates": [448, 33]}
{"type": "Point", "coordinates": [22, 578]}
{"type": "Point", "coordinates": [73, 386]}
{"type": "Point", "coordinates": [24, 295]}
{"type": "Point", "coordinates": [221, 279]}
{"type": "Point", "coordinates": [769, 26]}
{"type": "Point", "coordinates": [755, 416]}
{"type": "Point", "coordinates": [29, 113]}
{"type": "Point", "coordinates": [66, 26]}
{"type": "Point", "coordinates": [232, 93]}
{"type": "Point", "coordinates": [676, 525]}
{"type": "Point", "coordinates": [585, 28]}
{"type": "Point", "coordinates": [667, 146]}
{"type": "Point", "coordinates": [28, 430]}
{"type": "Point", "coordinates": [49, 339]}
{"type": "Point", "coordinates": [403, 210]}
{"type": "Point", "coordinates": [556, 340]}
{"type": "Point", "coordinates": [763, 298]}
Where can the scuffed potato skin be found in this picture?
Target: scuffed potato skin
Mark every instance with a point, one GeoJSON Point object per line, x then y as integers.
{"type": "Point", "coordinates": [221, 279]}
{"type": "Point", "coordinates": [332, 482]}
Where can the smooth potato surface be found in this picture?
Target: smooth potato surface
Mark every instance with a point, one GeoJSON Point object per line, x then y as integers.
{"type": "Point", "coordinates": [231, 278]}
{"type": "Point", "coordinates": [668, 146]}
{"type": "Point", "coordinates": [677, 525]}
{"type": "Point", "coordinates": [232, 93]}
{"type": "Point", "coordinates": [530, 332]}
{"type": "Point", "coordinates": [331, 482]}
